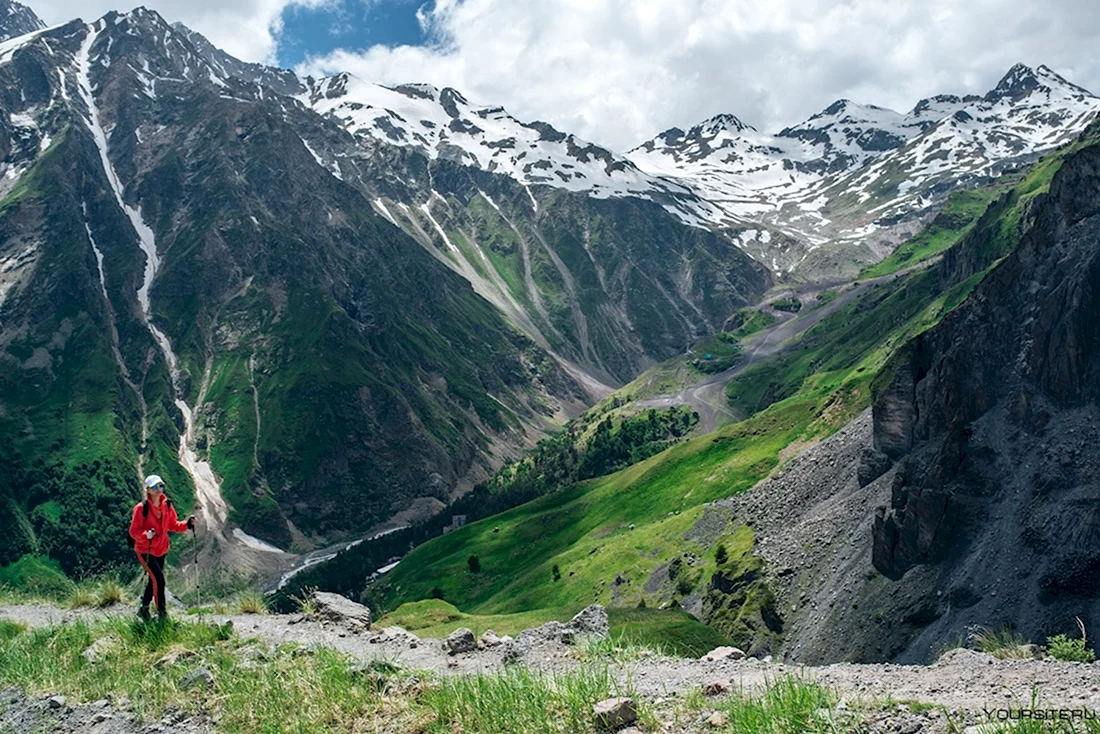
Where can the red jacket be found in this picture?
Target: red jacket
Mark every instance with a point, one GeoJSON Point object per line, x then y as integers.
{"type": "Point", "coordinates": [143, 521]}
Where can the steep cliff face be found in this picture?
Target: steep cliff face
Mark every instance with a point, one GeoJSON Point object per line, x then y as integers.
{"type": "Point", "coordinates": [993, 417]}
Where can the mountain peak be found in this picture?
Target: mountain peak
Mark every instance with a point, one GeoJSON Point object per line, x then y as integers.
{"type": "Point", "coordinates": [16, 19]}
{"type": "Point", "coordinates": [1022, 80]}
{"type": "Point", "coordinates": [725, 122]}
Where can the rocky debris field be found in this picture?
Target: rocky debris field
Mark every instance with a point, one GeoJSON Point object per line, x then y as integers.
{"type": "Point", "coordinates": [21, 713]}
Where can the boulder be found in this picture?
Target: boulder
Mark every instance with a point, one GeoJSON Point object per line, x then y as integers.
{"type": "Point", "coordinates": [56, 702]}
{"type": "Point", "coordinates": [510, 653]}
{"type": "Point", "coordinates": [723, 653]}
{"type": "Point", "coordinates": [459, 641]}
{"type": "Point", "coordinates": [614, 713]}
{"type": "Point", "coordinates": [549, 632]}
{"type": "Point", "coordinates": [336, 608]}
{"type": "Point", "coordinates": [591, 620]}
{"type": "Point", "coordinates": [490, 639]}
{"type": "Point", "coordinates": [399, 635]}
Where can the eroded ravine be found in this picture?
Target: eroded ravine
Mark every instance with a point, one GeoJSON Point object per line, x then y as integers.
{"type": "Point", "coordinates": [213, 510]}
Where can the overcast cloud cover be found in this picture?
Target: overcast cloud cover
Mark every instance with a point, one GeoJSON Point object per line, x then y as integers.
{"type": "Point", "coordinates": [619, 71]}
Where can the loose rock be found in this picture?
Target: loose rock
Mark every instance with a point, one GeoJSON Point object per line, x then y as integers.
{"type": "Point", "coordinates": [592, 620]}
{"type": "Point", "coordinates": [95, 652]}
{"type": "Point", "coordinates": [459, 641]}
{"type": "Point", "coordinates": [716, 687]}
{"type": "Point", "coordinates": [614, 713]}
{"type": "Point", "coordinates": [718, 719]}
{"type": "Point", "coordinates": [196, 677]}
{"type": "Point", "coordinates": [723, 653]}
{"type": "Point", "coordinates": [489, 639]}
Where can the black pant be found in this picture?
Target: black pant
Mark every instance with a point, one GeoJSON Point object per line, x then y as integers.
{"type": "Point", "coordinates": [156, 573]}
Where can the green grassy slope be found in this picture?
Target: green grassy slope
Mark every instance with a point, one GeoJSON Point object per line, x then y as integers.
{"type": "Point", "coordinates": [957, 218]}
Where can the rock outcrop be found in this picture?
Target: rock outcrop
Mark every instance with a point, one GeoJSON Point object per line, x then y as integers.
{"type": "Point", "coordinates": [993, 415]}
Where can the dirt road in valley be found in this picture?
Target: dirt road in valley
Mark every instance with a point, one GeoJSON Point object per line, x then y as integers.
{"type": "Point", "coordinates": [708, 396]}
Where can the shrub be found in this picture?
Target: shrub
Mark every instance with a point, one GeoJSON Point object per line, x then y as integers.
{"type": "Point", "coordinates": [437, 593]}
{"type": "Point", "coordinates": [1069, 650]}
{"type": "Point", "coordinates": [721, 555]}
{"type": "Point", "coordinates": [474, 563]}
{"type": "Point", "coordinates": [684, 586]}
{"type": "Point", "coordinates": [557, 572]}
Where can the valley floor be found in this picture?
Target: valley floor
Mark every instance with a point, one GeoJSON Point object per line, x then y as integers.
{"type": "Point", "coordinates": [962, 683]}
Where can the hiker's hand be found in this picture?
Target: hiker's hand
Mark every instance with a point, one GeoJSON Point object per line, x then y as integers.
{"type": "Point", "coordinates": [150, 533]}
{"type": "Point", "coordinates": [191, 522]}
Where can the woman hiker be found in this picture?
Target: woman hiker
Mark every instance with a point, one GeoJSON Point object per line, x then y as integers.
{"type": "Point", "coordinates": [155, 517]}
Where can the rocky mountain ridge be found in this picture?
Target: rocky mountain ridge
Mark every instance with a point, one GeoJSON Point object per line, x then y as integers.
{"type": "Point", "coordinates": [843, 182]}
{"type": "Point", "coordinates": [818, 199]}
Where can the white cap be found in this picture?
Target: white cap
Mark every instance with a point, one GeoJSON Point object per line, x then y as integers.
{"type": "Point", "coordinates": [152, 480]}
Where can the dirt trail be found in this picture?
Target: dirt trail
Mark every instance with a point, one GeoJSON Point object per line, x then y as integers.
{"type": "Point", "coordinates": [708, 396]}
{"type": "Point", "coordinates": [962, 679]}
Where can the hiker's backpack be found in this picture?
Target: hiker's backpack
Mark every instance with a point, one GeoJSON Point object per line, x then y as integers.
{"type": "Point", "coordinates": [144, 514]}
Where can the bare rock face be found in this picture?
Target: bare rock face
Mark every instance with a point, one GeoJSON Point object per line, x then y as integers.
{"type": "Point", "coordinates": [872, 465]}
{"type": "Point", "coordinates": [993, 418]}
{"type": "Point", "coordinates": [339, 609]}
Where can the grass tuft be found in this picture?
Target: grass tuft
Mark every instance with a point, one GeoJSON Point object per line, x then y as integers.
{"type": "Point", "coordinates": [10, 630]}
{"type": "Point", "coordinates": [787, 704]}
{"type": "Point", "coordinates": [83, 596]}
{"type": "Point", "coordinates": [1003, 644]}
{"type": "Point", "coordinates": [307, 605]}
{"type": "Point", "coordinates": [252, 602]}
{"type": "Point", "coordinates": [110, 592]}
{"type": "Point", "coordinates": [521, 700]}
{"type": "Point", "coordinates": [615, 648]}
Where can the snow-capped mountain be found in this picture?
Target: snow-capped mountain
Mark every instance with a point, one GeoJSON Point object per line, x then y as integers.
{"type": "Point", "coordinates": [897, 166]}
{"type": "Point", "coordinates": [442, 123]}
{"type": "Point", "coordinates": [17, 19]}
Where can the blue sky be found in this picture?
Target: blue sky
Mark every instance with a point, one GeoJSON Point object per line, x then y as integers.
{"type": "Point", "coordinates": [348, 24]}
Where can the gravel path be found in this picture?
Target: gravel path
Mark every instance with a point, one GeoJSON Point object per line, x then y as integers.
{"type": "Point", "coordinates": [962, 679]}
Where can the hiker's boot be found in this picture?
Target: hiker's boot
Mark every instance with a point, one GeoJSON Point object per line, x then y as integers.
{"type": "Point", "coordinates": [143, 614]}
{"type": "Point", "coordinates": [162, 615]}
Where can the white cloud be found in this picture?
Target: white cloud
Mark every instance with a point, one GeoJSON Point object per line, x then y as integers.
{"type": "Point", "coordinates": [619, 71]}
{"type": "Point", "coordinates": [248, 29]}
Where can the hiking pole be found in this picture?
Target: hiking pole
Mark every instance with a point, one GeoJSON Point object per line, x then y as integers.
{"type": "Point", "coordinates": [198, 588]}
